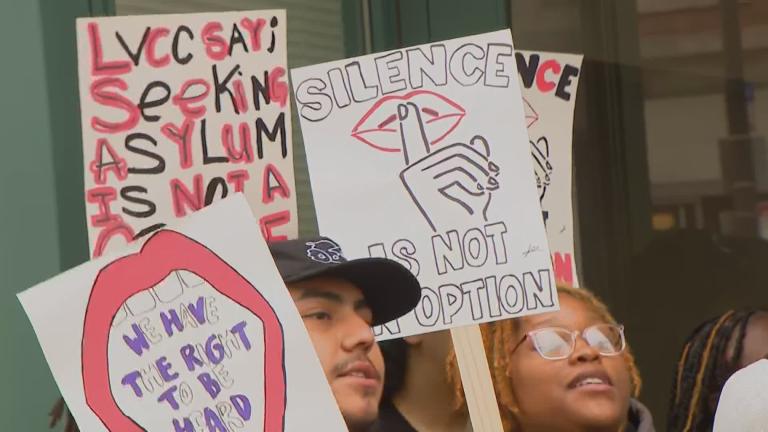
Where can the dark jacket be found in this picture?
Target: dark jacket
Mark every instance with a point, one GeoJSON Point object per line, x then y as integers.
{"type": "Point", "coordinates": [640, 418]}
{"type": "Point", "coordinates": [390, 419]}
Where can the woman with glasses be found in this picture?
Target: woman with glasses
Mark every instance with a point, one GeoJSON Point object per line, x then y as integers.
{"type": "Point", "coordinates": [569, 370]}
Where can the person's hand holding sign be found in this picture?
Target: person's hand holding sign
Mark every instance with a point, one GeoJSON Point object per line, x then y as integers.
{"type": "Point", "coordinates": [455, 182]}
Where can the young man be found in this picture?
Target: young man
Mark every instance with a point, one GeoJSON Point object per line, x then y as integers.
{"type": "Point", "coordinates": [339, 301]}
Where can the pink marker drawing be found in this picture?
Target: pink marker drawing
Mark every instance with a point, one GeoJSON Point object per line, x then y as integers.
{"type": "Point", "coordinates": [166, 252]}
{"type": "Point", "coordinates": [379, 126]}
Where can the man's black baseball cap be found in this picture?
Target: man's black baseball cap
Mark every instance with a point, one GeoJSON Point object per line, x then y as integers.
{"type": "Point", "coordinates": [389, 288]}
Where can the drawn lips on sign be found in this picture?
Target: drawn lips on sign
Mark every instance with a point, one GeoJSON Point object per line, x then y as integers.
{"type": "Point", "coordinates": [166, 252]}
{"type": "Point", "coordinates": [531, 116]}
{"type": "Point", "coordinates": [379, 126]}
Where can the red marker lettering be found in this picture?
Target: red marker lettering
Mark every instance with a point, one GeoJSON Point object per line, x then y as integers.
{"type": "Point", "coordinates": [215, 45]}
{"type": "Point", "coordinates": [237, 179]}
{"type": "Point", "coordinates": [273, 184]}
{"type": "Point", "coordinates": [99, 67]}
{"type": "Point", "coordinates": [101, 94]}
{"type": "Point", "coordinates": [278, 88]}
{"type": "Point", "coordinates": [545, 85]}
{"type": "Point", "coordinates": [254, 29]}
{"type": "Point", "coordinates": [182, 137]}
{"type": "Point", "coordinates": [183, 199]}
{"type": "Point", "coordinates": [152, 39]}
{"type": "Point", "coordinates": [100, 167]}
{"type": "Point", "coordinates": [271, 221]}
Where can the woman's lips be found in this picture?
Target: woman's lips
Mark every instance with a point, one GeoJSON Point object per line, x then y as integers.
{"type": "Point", "coordinates": [531, 116]}
{"type": "Point", "coordinates": [595, 379]}
{"type": "Point", "coordinates": [165, 252]}
{"type": "Point", "coordinates": [379, 128]}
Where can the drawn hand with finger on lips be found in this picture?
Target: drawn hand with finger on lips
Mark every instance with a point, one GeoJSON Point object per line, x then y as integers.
{"type": "Point", "coordinates": [449, 183]}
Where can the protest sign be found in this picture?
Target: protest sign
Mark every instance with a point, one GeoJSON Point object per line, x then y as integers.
{"type": "Point", "coordinates": [179, 111]}
{"type": "Point", "coordinates": [743, 403]}
{"type": "Point", "coordinates": [192, 331]}
{"type": "Point", "coordinates": [549, 82]}
{"type": "Point", "coordinates": [421, 155]}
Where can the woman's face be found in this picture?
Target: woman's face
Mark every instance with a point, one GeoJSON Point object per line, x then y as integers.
{"type": "Point", "coordinates": [558, 395]}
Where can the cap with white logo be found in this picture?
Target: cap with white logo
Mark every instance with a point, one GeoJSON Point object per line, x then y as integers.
{"type": "Point", "coordinates": [389, 288]}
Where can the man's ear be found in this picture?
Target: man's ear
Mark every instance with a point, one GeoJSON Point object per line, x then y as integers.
{"type": "Point", "coordinates": [413, 340]}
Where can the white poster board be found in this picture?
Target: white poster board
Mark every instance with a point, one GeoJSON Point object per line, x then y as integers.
{"type": "Point", "coordinates": [549, 83]}
{"type": "Point", "coordinates": [743, 403]}
{"type": "Point", "coordinates": [192, 331]}
{"type": "Point", "coordinates": [421, 155]}
{"type": "Point", "coordinates": [179, 111]}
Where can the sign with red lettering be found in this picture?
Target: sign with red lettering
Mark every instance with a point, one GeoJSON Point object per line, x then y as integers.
{"type": "Point", "coordinates": [549, 82]}
{"type": "Point", "coordinates": [191, 331]}
{"type": "Point", "coordinates": [421, 155]}
{"type": "Point", "coordinates": [179, 111]}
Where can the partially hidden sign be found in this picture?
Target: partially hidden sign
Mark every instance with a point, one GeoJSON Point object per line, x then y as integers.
{"type": "Point", "coordinates": [193, 330]}
{"type": "Point", "coordinates": [179, 111]}
{"type": "Point", "coordinates": [421, 155]}
{"type": "Point", "coordinates": [549, 83]}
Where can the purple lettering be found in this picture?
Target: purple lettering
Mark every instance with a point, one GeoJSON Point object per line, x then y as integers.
{"type": "Point", "coordinates": [209, 384]}
{"type": "Point", "coordinates": [198, 310]}
{"type": "Point", "coordinates": [130, 379]}
{"type": "Point", "coordinates": [165, 369]}
{"type": "Point", "coordinates": [213, 421]}
{"type": "Point", "coordinates": [190, 357]}
{"type": "Point", "coordinates": [239, 329]}
{"type": "Point", "coordinates": [213, 350]}
{"type": "Point", "coordinates": [186, 427]}
{"type": "Point", "coordinates": [242, 405]}
{"type": "Point", "coordinates": [139, 343]}
{"type": "Point", "coordinates": [173, 319]}
{"type": "Point", "coordinates": [168, 396]}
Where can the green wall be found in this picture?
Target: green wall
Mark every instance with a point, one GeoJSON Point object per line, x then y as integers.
{"type": "Point", "coordinates": [28, 215]}
{"type": "Point", "coordinates": [42, 223]}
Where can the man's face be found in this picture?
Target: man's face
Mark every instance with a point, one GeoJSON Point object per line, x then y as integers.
{"type": "Point", "coordinates": [339, 323]}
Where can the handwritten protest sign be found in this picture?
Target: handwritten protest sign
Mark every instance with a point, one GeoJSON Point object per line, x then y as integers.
{"type": "Point", "coordinates": [421, 155]}
{"type": "Point", "coordinates": [549, 82]}
{"type": "Point", "coordinates": [179, 111]}
{"type": "Point", "coordinates": [192, 331]}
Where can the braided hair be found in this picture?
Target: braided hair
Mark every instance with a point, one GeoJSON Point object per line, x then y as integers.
{"type": "Point", "coordinates": [60, 413]}
{"type": "Point", "coordinates": [500, 336]}
{"type": "Point", "coordinates": [709, 357]}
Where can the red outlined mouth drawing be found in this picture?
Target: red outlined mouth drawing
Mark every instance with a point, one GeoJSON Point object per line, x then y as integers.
{"type": "Point", "coordinates": [379, 126]}
{"type": "Point", "coordinates": [165, 252]}
{"type": "Point", "coordinates": [531, 116]}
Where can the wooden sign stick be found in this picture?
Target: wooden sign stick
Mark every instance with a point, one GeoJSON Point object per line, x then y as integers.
{"type": "Point", "coordinates": [476, 379]}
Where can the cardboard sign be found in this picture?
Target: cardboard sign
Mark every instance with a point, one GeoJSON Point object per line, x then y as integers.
{"type": "Point", "coordinates": [549, 82]}
{"type": "Point", "coordinates": [179, 111]}
{"type": "Point", "coordinates": [192, 331]}
{"type": "Point", "coordinates": [420, 155]}
{"type": "Point", "coordinates": [743, 404]}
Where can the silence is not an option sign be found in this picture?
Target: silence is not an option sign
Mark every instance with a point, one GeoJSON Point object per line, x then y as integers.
{"type": "Point", "coordinates": [421, 155]}
{"type": "Point", "coordinates": [179, 111]}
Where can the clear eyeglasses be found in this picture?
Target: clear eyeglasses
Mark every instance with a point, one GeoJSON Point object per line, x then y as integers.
{"type": "Point", "coordinates": [557, 343]}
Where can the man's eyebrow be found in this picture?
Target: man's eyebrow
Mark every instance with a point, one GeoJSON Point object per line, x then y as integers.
{"type": "Point", "coordinates": [308, 294]}
{"type": "Point", "coordinates": [361, 304]}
